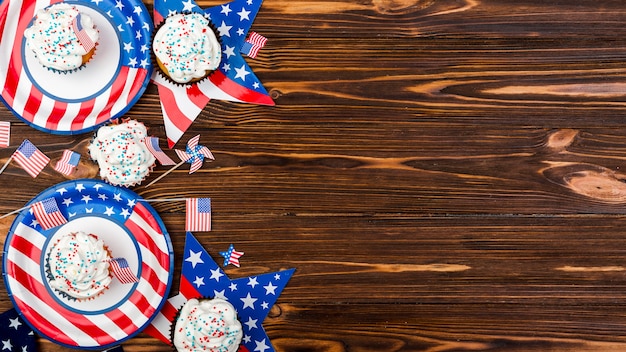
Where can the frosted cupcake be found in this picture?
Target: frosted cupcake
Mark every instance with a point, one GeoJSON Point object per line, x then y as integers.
{"type": "Point", "coordinates": [62, 38]}
{"type": "Point", "coordinates": [121, 153]}
{"type": "Point", "coordinates": [186, 48]}
{"type": "Point", "coordinates": [207, 325]}
{"type": "Point", "coordinates": [77, 266]}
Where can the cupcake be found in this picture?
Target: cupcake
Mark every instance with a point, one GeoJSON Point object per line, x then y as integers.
{"type": "Point", "coordinates": [186, 48]}
{"type": "Point", "coordinates": [62, 38]}
{"type": "Point", "coordinates": [77, 266]}
{"type": "Point", "coordinates": [206, 325]}
{"type": "Point", "coordinates": [121, 153]}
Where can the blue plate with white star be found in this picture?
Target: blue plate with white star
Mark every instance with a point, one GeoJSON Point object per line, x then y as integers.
{"type": "Point", "coordinates": [128, 226]}
{"type": "Point", "coordinates": [80, 101]}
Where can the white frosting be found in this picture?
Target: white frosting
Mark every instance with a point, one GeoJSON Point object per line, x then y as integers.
{"type": "Point", "coordinates": [79, 265]}
{"type": "Point", "coordinates": [121, 153]}
{"type": "Point", "coordinates": [187, 47]}
{"type": "Point", "coordinates": [207, 325]}
{"type": "Point", "coordinates": [52, 39]}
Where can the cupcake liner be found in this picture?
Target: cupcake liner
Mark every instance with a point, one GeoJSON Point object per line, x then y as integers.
{"type": "Point", "coordinates": [155, 61]}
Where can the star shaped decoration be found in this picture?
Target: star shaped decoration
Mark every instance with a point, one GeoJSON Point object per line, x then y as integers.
{"type": "Point", "coordinates": [252, 297]}
{"type": "Point", "coordinates": [231, 256]}
{"type": "Point", "coordinates": [234, 80]}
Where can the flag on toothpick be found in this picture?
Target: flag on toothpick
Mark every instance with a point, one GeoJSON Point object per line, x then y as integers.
{"type": "Point", "coordinates": [198, 214]}
{"type": "Point", "coordinates": [5, 133]}
{"type": "Point", "coordinates": [122, 271]}
{"type": "Point", "coordinates": [81, 34]}
{"type": "Point", "coordinates": [253, 44]}
{"type": "Point", "coordinates": [152, 143]}
{"type": "Point", "coordinates": [68, 162]}
{"type": "Point", "coordinates": [48, 214]}
{"type": "Point", "coordinates": [15, 335]}
{"type": "Point", "coordinates": [30, 158]}
{"type": "Point", "coordinates": [231, 256]}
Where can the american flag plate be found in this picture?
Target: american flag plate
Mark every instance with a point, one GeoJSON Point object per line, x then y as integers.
{"type": "Point", "coordinates": [79, 101]}
{"type": "Point", "coordinates": [129, 227]}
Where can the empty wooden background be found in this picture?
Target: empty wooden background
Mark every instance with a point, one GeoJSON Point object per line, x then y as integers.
{"type": "Point", "coordinates": [444, 175]}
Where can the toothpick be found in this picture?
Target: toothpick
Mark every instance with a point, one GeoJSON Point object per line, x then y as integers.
{"type": "Point", "coordinates": [14, 212]}
{"type": "Point", "coordinates": [165, 173]}
{"type": "Point", "coordinates": [6, 164]}
{"type": "Point", "coordinates": [162, 200]}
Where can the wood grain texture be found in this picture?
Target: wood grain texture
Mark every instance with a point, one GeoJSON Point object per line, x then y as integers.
{"type": "Point", "coordinates": [444, 175]}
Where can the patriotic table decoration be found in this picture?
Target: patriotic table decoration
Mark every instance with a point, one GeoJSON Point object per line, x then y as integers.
{"type": "Point", "coordinates": [231, 256]}
{"type": "Point", "coordinates": [29, 158]}
{"type": "Point", "coordinates": [82, 100]}
{"type": "Point", "coordinates": [252, 297]}
{"type": "Point", "coordinates": [14, 334]}
{"type": "Point", "coordinates": [47, 213]}
{"type": "Point", "coordinates": [68, 162]}
{"type": "Point", "coordinates": [198, 214]}
{"type": "Point", "coordinates": [232, 81]}
{"type": "Point", "coordinates": [5, 134]}
{"type": "Point", "coordinates": [130, 228]}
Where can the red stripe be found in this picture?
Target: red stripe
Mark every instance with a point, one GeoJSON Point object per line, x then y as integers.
{"type": "Point", "coordinates": [25, 247]}
{"type": "Point", "coordinates": [122, 320]}
{"type": "Point", "coordinates": [169, 104]}
{"type": "Point", "coordinates": [4, 11]}
{"type": "Point", "coordinates": [49, 329]}
{"type": "Point", "coordinates": [197, 97]}
{"type": "Point", "coordinates": [147, 273]}
{"type": "Point", "coordinates": [32, 104]}
{"type": "Point", "coordinates": [86, 108]}
{"type": "Point", "coordinates": [137, 84]}
{"type": "Point", "coordinates": [52, 122]}
{"type": "Point", "coordinates": [27, 11]}
{"type": "Point", "coordinates": [116, 91]}
{"type": "Point", "coordinates": [76, 319]}
{"type": "Point", "coordinates": [238, 91]}
{"type": "Point", "coordinates": [144, 238]}
{"type": "Point", "coordinates": [141, 302]}
{"type": "Point", "coordinates": [187, 289]}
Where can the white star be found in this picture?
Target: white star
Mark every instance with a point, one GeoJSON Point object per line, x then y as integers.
{"type": "Point", "coordinates": [97, 2]}
{"type": "Point", "coordinates": [24, 348]}
{"type": "Point", "coordinates": [130, 21]}
{"type": "Point", "coordinates": [97, 186]}
{"type": "Point", "coordinates": [199, 281]}
{"type": "Point", "coordinates": [240, 31]}
{"type": "Point", "coordinates": [138, 10]}
{"type": "Point", "coordinates": [224, 29]}
{"type": "Point", "coordinates": [241, 72]}
{"type": "Point", "coordinates": [80, 187]}
{"type": "Point", "coordinates": [119, 4]}
{"type": "Point", "coordinates": [144, 48]}
{"type": "Point", "coordinates": [125, 213]}
{"type": "Point", "coordinates": [170, 12]}
{"type": "Point", "coordinates": [243, 14]}
{"type": "Point", "coordinates": [256, 85]}
{"type": "Point", "coordinates": [117, 197]}
{"type": "Point", "coordinates": [61, 191]}
{"type": "Point", "coordinates": [251, 323]}
{"type": "Point", "coordinates": [15, 323]}
{"type": "Point", "coordinates": [144, 63]}
{"type": "Point", "coordinates": [252, 282]}
{"type": "Point", "coordinates": [249, 2]}
{"type": "Point", "coordinates": [109, 14]}
{"type": "Point", "coordinates": [131, 202]}
{"type": "Point", "coordinates": [102, 196]}
{"type": "Point", "coordinates": [216, 274]}
{"type": "Point", "coordinates": [128, 47]}
{"type": "Point", "coordinates": [226, 67]}
{"type": "Point", "coordinates": [248, 301]}
{"type": "Point", "coordinates": [67, 201]}
{"type": "Point", "coordinates": [219, 294]}
{"type": "Point", "coordinates": [270, 289]}
{"type": "Point", "coordinates": [6, 345]}
{"type": "Point", "coordinates": [277, 277]}
{"type": "Point", "coordinates": [229, 51]}
{"type": "Point", "coordinates": [71, 215]}
{"type": "Point", "coordinates": [188, 5]}
{"type": "Point", "coordinates": [132, 62]}
{"type": "Point", "coordinates": [34, 223]}
{"type": "Point", "coordinates": [233, 286]}
{"type": "Point", "coordinates": [120, 28]}
{"type": "Point", "coordinates": [88, 210]}
{"type": "Point", "coordinates": [226, 9]}
{"type": "Point", "coordinates": [265, 305]}
{"type": "Point", "coordinates": [194, 258]}
{"type": "Point", "coordinates": [109, 211]}
{"type": "Point", "coordinates": [86, 198]}
{"type": "Point", "coordinates": [146, 26]}
{"type": "Point", "coordinates": [247, 339]}
{"type": "Point", "coordinates": [261, 346]}
{"type": "Point", "coordinates": [138, 35]}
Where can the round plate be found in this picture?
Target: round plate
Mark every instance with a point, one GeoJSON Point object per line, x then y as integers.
{"type": "Point", "coordinates": [129, 227]}
{"type": "Point", "coordinates": [82, 100]}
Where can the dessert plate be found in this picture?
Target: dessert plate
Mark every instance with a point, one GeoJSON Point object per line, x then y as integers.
{"type": "Point", "coordinates": [79, 101]}
{"type": "Point", "coordinates": [129, 227]}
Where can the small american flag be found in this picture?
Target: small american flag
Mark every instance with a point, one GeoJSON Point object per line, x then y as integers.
{"type": "Point", "coordinates": [5, 133]}
{"type": "Point", "coordinates": [152, 143]}
{"type": "Point", "coordinates": [68, 162]}
{"type": "Point", "coordinates": [231, 256]}
{"type": "Point", "coordinates": [30, 158]}
{"type": "Point", "coordinates": [198, 214]}
{"type": "Point", "coordinates": [48, 214]}
{"type": "Point", "coordinates": [81, 34]}
{"type": "Point", "coordinates": [253, 44]}
{"type": "Point", "coordinates": [122, 271]}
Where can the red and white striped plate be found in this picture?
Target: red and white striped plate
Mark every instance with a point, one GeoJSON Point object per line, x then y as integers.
{"type": "Point", "coordinates": [130, 228]}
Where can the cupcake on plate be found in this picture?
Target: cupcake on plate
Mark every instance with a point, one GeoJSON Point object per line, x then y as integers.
{"type": "Point", "coordinates": [77, 266]}
{"type": "Point", "coordinates": [62, 38]}
{"type": "Point", "coordinates": [186, 48]}
{"type": "Point", "coordinates": [206, 325]}
{"type": "Point", "coordinates": [121, 153]}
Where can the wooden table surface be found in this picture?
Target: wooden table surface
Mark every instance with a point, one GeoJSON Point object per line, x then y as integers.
{"type": "Point", "coordinates": [444, 175]}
